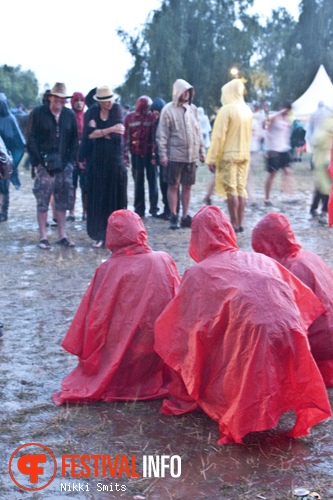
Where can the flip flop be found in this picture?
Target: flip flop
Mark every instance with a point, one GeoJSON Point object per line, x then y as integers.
{"type": "Point", "coordinates": [65, 242]}
{"type": "Point", "coordinates": [44, 245]}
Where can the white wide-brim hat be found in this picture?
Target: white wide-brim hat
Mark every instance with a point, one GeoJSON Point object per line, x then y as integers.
{"type": "Point", "coordinates": [103, 94]}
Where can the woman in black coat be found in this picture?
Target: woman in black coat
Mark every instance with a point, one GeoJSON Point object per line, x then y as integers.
{"type": "Point", "coordinates": [102, 148]}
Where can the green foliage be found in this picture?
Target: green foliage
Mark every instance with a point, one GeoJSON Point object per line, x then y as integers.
{"type": "Point", "coordinates": [197, 40]}
{"type": "Point", "coordinates": [310, 44]}
{"type": "Point", "coordinates": [201, 40]}
{"type": "Point", "coordinates": [19, 86]}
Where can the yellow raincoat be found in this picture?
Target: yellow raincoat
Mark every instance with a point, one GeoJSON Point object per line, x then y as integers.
{"type": "Point", "coordinates": [321, 145]}
{"type": "Point", "coordinates": [231, 136]}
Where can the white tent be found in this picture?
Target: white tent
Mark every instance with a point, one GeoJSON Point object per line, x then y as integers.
{"type": "Point", "coordinates": [321, 89]}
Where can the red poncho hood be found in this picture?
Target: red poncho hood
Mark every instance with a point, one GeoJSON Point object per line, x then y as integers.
{"type": "Point", "coordinates": [211, 232]}
{"type": "Point", "coordinates": [126, 233]}
{"type": "Point", "coordinates": [142, 105]}
{"type": "Point", "coordinates": [274, 236]}
{"type": "Point", "coordinates": [79, 114]}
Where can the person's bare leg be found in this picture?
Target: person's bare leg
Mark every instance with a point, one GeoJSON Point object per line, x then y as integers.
{"type": "Point", "coordinates": [241, 210]}
{"type": "Point", "coordinates": [268, 184]}
{"type": "Point", "coordinates": [173, 197]}
{"type": "Point", "coordinates": [288, 181]}
{"type": "Point", "coordinates": [233, 210]}
{"type": "Point", "coordinates": [61, 220]}
{"type": "Point", "coordinates": [54, 215]}
{"type": "Point", "coordinates": [185, 197]}
{"type": "Point", "coordinates": [41, 219]}
{"type": "Point", "coordinates": [72, 212]}
{"type": "Point", "coordinates": [210, 191]}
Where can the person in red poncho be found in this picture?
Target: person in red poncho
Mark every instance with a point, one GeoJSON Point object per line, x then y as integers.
{"type": "Point", "coordinates": [274, 236]}
{"type": "Point", "coordinates": [78, 104]}
{"type": "Point", "coordinates": [236, 337]}
{"type": "Point", "coordinates": [112, 332]}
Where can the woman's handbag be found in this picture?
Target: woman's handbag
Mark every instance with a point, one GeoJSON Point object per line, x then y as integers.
{"type": "Point", "coordinates": [6, 161]}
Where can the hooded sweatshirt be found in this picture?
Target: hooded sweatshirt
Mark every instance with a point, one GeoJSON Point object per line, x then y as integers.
{"type": "Point", "coordinates": [112, 332]}
{"type": "Point", "coordinates": [79, 114]}
{"type": "Point", "coordinates": [236, 337]}
{"type": "Point", "coordinates": [232, 129]}
{"type": "Point", "coordinates": [139, 129]}
{"type": "Point", "coordinates": [274, 237]}
{"type": "Point", "coordinates": [178, 133]}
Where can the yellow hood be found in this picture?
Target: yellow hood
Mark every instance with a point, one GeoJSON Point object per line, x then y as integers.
{"type": "Point", "coordinates": [233, 92]}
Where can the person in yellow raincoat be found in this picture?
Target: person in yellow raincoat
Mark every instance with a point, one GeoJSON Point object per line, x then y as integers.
{"type": "Point", "coordinates": [229, 152]}
{"type": "Point", "coordinates": [321, 145]}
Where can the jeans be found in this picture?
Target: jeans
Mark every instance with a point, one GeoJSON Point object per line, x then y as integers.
{"type": "Point", "coordinates": [139, 165]}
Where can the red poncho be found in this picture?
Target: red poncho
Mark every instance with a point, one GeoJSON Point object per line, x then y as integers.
{"type": "Point", "coordinates": [112, 332]}
{"type": "Point", "coordinates": [236, 334]}
{"type": "Point", "coordinates": [274, 236]}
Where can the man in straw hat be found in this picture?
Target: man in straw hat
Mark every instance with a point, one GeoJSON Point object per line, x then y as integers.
{"type": "Point", "coordinates": [52, 145]}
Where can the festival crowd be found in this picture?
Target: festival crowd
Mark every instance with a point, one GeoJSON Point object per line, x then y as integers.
{"type": "Point", "coordinates": [204, 340]}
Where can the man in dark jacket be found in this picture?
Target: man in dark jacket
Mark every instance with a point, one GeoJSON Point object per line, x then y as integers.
{"type": "Point", "coordinates": [53, 138]}
{"type": "Point", "coordinates": [139, 142]}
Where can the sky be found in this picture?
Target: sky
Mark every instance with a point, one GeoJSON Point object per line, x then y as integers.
{"type": "Point", "coordinates": [68, 42]}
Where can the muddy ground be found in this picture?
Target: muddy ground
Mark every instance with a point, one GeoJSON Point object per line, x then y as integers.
{"type": "Point", "coordinates": [40, 292]}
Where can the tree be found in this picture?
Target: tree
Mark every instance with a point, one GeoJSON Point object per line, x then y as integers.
{"type": "Point", "coordinates": [197, 40]}
{"type": "Point", "coordinates": [309, 45]}
{"type": "Point", "coordinates": [271, 48]}
{"type": "Point", "coordinates": [19, 86]}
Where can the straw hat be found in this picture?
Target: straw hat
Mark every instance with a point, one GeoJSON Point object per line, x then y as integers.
{"type": "Point", "coordinates": [59, 90]}
{"type": "Point", "coordinates": [103, 94]}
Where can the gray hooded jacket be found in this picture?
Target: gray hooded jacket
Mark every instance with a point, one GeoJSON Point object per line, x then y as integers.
{"type": "Point", "coordinates": [178, 133]}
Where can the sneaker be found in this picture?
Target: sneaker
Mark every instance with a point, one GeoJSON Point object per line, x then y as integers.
{"type": "Point", "coordinates": [154, 213]}
{"type": "Point", "coordinates": [313, 213]}
{"type": "Point", "coordinates": [268, 203]}
{"type": "Point", "coordinates": [164, 216]}
{"type": "Point", "coordinates": [70, 218]}
{"type": "Point", "coordinates": [323, 219]}
{"type": "Point", "coordinates": [174, 222]}
{"type": "Point", "coordinates": [186, 222]}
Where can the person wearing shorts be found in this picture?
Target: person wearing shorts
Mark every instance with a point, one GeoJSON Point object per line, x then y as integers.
{"type": "Point", "coordinates": [180, 145]}
{"type": "Point", "coordinates": [229, 152]}
{"type": "Point", "coordinates": [60, 185]}
{"type": "Point", "coordinates": [278, 147]}
{"type": "Point", "coordinates": [53, 130]}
